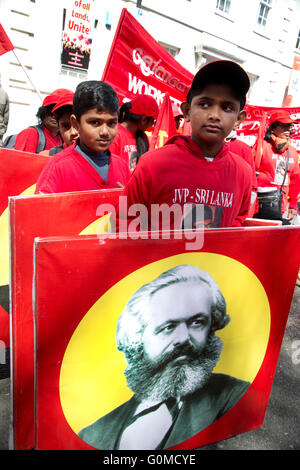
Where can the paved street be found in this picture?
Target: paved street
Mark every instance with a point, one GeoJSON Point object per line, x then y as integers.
{"type": "Point", "coordinates": [281, 428]}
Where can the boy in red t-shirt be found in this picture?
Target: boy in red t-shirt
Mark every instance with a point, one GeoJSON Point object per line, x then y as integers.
{"type": "Point", "coordinates": [88, 165]}
{"type": "Point", "coordinates": [62, 112]}
{"type": "Point", "coordinates": [197, 170]}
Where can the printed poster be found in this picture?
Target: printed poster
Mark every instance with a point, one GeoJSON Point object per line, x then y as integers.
{"type": "Point", "coordinates": [122, 349]}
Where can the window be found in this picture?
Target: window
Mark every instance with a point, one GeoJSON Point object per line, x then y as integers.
{"type": "Point", "coordinates": [223, 5]}
{"type": "Point", "coordinates": [298, 41]}
{"type": "Point", "coordinates": [264, 10]}
{"type": "Point", "coordinates": [174, 51]}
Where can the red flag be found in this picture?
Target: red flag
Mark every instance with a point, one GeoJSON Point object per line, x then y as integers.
{"type": "Point", "coordinates": [165, 126]}
{"type": "Point", "coordinates": [138, 64]}
{"type": "Point", "coordinates": [5, 43]}
{"type": "Point", "coordinates": [258, 149]}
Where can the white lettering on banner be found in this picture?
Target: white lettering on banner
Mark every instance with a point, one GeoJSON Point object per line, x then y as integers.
{"type": "Point", "coordinates": [149, 67]}
{"type": "Point", "coordinates": [138, 86]}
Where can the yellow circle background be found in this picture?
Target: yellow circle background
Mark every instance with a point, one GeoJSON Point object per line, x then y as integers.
{"type": "Point", "coordinates": [92, 381]}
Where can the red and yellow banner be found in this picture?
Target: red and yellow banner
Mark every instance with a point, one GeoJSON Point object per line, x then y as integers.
{"type": "Point", "coordinates": [165, 127]}
{"type": "Point", "coordinates": [19, 172]}
{"type": "Point", "coordinates": [79, 372]}
{"type": "Point", "coordinates": [39, 216]}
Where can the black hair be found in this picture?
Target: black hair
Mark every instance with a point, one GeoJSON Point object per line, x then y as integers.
{"type": "Point", "coordinates": [67, 108]}
{"type": "Point", "coordinates": [270, 129]}
{"type": "Point", "coordinates": [44, 112]}
{"type": "Point", "coordinates": [142, 143]}
{"type": "Point", "coordinates": [94, 94]}
{"type": "Point", "coordinates": [217, 81]}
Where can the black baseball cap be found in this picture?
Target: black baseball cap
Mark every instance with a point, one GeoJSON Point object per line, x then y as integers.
{"type": "Point", "coordinates": [222, 71]}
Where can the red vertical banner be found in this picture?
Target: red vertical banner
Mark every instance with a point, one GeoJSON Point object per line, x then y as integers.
{"type": "Point", "coordinates": [88, 331]}
{"type": "Point", "coordinates": [258, 148]}
{"type": "Point", "coordinates": [77, 213]}
{"type": "Point", "coordinates": [137, 64]}
{"type": "Point", "coordinates": [165, 127]}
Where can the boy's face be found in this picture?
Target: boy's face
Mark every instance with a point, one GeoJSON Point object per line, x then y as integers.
{"type": "Point", "coordinates": [68, 133]}
{"type": "Point", "coordinates": [97, 130]}
{"type": "Point", "coordinates": [212, 114]}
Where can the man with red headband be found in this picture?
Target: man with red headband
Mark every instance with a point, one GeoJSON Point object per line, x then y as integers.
{"type": "Point", "coordinates": [277, 154]}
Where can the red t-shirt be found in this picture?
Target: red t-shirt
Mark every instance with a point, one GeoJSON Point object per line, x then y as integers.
{"type": "Point", "coordinates": [271, 173]}
{"type": "Point", "coordinates": [69, 171]}
{"type": "Point", "coordinates": [178, 173]}
{"type": "Point", "coordinates": [124, 145]}
{"type": "Point", "coordinates": [28, 139]}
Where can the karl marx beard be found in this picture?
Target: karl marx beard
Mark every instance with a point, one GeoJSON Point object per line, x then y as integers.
{"type": "Point", "coordinates": [167, 377]}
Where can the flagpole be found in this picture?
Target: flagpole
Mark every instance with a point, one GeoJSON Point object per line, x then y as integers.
{"type": "Point", "coordinates": [25, 71]}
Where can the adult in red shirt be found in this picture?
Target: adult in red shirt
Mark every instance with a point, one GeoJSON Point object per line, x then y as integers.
{"type": "Point", "coordinates": [28, 139]}
{"type": "Point", "coordinates": [276, 146]}
{"type": "Point", "coordinates": [135, 117]}
{"type": "Point", "coordinates": [199, 169]}
{"type": "Point", "coordinates": [89, 165]}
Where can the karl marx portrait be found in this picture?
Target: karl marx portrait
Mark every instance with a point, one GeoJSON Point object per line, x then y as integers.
{"type": "Point", "coordinates": [167, 335]}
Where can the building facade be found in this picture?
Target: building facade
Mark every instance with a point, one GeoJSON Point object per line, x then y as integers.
{"type": "Point", "coordinates": [261, 35]}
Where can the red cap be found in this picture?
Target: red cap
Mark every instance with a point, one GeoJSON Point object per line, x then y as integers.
{"type": "Point", "coordinates": [224, 70]}
{"type": "Point", "coordinates": [281, 116]}
{"type": "Point", "coordinates": [64, 100]}
{"type": "Point", "coordinates": [53, 97]}
{"type": "Point", "coordinates": [144, 105]}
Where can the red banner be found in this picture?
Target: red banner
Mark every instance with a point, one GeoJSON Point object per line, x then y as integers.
{"type": "Point", "coordinates": [249, 129]}
{"type": "Point", "coordinates": [19, 172]}
{"type": "Point", "coordinates": [5, 43]}
{"type": "Point", "coordinates": [36, 216]}
{"type": "Point", "coordinates": [165, 126]}
{"type": "Point", "coordinates": [137, 64]}
{"type": "Point", "coordinates": [79, 373]}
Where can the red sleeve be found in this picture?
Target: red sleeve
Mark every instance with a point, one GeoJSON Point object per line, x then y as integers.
{"type": "Point", "coordinates": [27, 140]}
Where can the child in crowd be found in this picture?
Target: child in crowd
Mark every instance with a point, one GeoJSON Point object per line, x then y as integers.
{"type": "Point", "coordinates": [198, 169]}
{"type": "Point", "coordinates": [89, 164]}
{"type": "Point", "coordinates": [135, 117]}
{"type": "Point", "coordinates": [62, 112]}
{"type": "Point", "coordinates": [28, 139]}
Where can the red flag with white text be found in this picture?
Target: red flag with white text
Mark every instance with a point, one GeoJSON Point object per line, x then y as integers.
{"type": "Point", "coordinates": [138, 64]}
